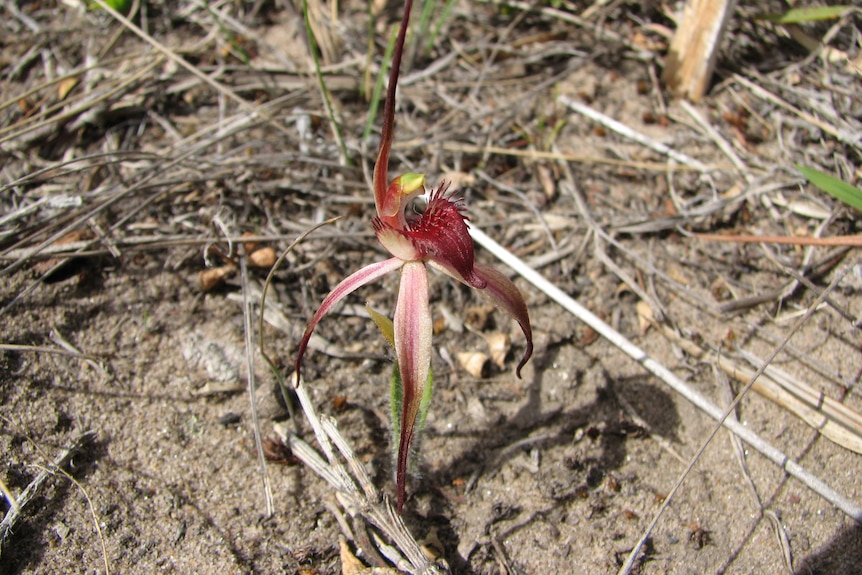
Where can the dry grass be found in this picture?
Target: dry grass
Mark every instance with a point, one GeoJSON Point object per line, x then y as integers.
{"type": "Point", "coordinates": [135, 154]}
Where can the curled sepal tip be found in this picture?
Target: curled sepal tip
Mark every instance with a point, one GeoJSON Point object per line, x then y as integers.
{"type": "Point", "coordinates": [507, 296]}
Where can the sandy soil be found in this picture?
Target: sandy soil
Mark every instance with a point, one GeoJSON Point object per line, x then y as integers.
{"type": "Point", "coordinates": [558, 472]}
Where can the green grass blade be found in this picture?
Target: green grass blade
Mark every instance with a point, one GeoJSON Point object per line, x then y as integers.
{"type": "Point", "coordinates": [330, 111]}
{"type": "Point", "coordinates": [374, 104]}
{"type": "Point", "coordinates": [424, 24]}
{"type": "Point", "coordinates": [121, 6]}
{"type": "Point", "coordinates": [799, 15]}
{"type": "Point", "coordinates": [839, 189]}
{"type": "Point", "coordinates": [438, 27]}
{"type": "Point", "coordinates": [231, 37]}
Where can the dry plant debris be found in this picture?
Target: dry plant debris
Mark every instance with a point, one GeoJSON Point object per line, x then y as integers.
{"type": "Point", "coordinates": [127, 154]}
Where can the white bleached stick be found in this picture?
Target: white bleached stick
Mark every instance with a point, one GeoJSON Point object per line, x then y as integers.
{"type": "Point", "coordinates": [624, 130]}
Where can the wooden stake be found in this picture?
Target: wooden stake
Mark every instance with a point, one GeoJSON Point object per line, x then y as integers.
{"type": "Point", "coordinates": [691, 58]}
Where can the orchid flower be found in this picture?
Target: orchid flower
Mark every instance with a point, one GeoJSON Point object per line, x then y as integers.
{"type": "Point", "coordinates": [437, 238]}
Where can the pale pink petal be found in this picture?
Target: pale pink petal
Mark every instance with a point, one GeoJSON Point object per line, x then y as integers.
{"type": "Point", "coordinates": [347, 286]}
{"type": "Point", "coordinates": [413, 349]}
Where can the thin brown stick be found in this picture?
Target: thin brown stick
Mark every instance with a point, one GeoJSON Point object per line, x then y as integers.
{"type": "Point", "coordinates": [843, 241]}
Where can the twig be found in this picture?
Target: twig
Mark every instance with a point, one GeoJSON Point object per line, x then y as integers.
{"type": "Point", "coordinates": [713, 134]}
{"type": "Point", "coordinates": [112, 199]}
{"type": "Point", "coordinates": [87, 103]}
{"type": "Point", "coordinates": [830, 414]}
{"type": "Point", "coordinates": [598, 236]}
{"type": "Point", "coordinates": [248, 331]}
{"type": "Point", "coordinates": [627, 132]}
{"type": "Point", "coordinates": [829, 373]}
{"type": "Point", "coordinates": [832, 419]}
{"type": "Point", "coordinates": [12, 6]}
{"type": "Point", "coordinates": [32, 491]}
{"type": "Point", "coordinates": [58, 338]}
{"type": "Point", "coordinates": [159, 242]}
{"type": "Point", "coordinates": [818, 268]}
{"type": "Point", "coordinates": [542, 155]}
{"type": "Point", "coordinates": [42, 349]}
{"type": "Point", "coordinates": [324, 92]}
{"type": "Point", "coordinates": [760, 92]}
{"type": "Point", "coordinates": [357, 493]}
{"type": "Point", "coordinates": [783, 540]}
{"type": "Point", "coordinates": [523, 197]}
{"type": "Point", "coordinates": [848, 241]}
{"type": "Point", "coordinates": [602, 33]}
{"type": "Point", "coordinates": [173, 56]}
{"type": "Point", "coordinates": [738, 450]}
{"type": "Point", "coordinates": [693, 51]}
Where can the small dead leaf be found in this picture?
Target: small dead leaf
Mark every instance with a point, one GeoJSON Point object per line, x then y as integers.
{"type": "Point", "coordinates": [590, 336]}
{"type": "Point", "coordinates": [675, 273]}
{"type": "Point", "coordinates": [275, 451]}
{"type": "Point", "coordinates": [729, 339]}
{"type": "Point", "coordinates": [622, 289]}
{"type": "Point", "coordinates": [65, 86]}
{"type": "Point", "coordinates": [339, 403]}
{"type": "Point", "coordinates": [459, 179]}
{"type": "Point", "coordinates": [546, 178]}
{"type": "Point", "coordinates": [249, 246]}
{"type": "Point", "coordinates": [431, 545]}
{"type": "Point", "coordinates": [262, 258]}
{"type": "Point", "coordinates": [474, 363]}
{"type": "Point", "coordinates": [214, 277]}
{"type": "Point", "coordinates": [27, 107]}
{"type": "Point", "coordinates": [499, 345]}
{"type": "Point", "coordinates": [645, 316]}
{"type": "Point", "coordinates": [219, 387]}
{"type": "Point", "coordinates": [733, 191]}
{"type": "Point", "coordinates": [439, 325]}
{"type": "Point", "coordinates": [719, 290]}
{"type": "Point", "coordinates": [377, 6]}
{"type": "Point", "coordinates": [477, 317]}
{"type": "Point", "coordinates": [350, 565]}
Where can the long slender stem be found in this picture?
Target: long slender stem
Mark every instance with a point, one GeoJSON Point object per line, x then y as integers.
{"type": "Point", "coordinates": [374, 102]}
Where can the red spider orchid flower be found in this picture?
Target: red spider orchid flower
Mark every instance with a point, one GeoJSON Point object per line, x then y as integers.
{"type": "Point", "coordinates": [439, 238]}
